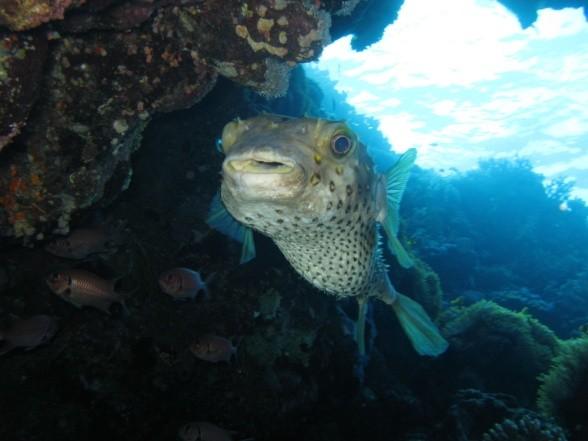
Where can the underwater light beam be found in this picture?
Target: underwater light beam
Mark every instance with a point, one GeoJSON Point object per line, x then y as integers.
{"type": "Point", "coordinates": [474, 85]}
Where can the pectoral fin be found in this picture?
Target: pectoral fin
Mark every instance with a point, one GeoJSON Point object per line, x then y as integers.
{"type": "Point", "coordinates": [221, 220]}
{"type": "Point", "coordinates": [396, 179]}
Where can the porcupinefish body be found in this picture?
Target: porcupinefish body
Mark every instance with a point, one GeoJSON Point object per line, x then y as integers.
{"type": "Point", "coordinates": [310, 186]}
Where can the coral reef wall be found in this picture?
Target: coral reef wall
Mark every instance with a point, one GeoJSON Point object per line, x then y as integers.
{"type": "Point", "coordinates": [79, 81]}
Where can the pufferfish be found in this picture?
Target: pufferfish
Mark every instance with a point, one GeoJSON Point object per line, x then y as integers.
{"type": "Point", "coordinates": [310, 185]}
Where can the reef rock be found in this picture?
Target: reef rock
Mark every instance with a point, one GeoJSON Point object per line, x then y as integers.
{"type": "Point", "coordinates": [480, 416]}
{"type": "Point", "coordinates": [21, 63]}
{"type": "Point", "coordinates": [100, 90]}
{"type": "Point", "coordinates": [98, 94]}
{"type": "Point", "coordinates": [77, 94]}
{"type": "Point", "coordinates": [528, 427]}
{"type": "Point", "coordinates": [19, 15]}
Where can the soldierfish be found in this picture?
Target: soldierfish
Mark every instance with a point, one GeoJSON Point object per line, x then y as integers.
{"type": "Point", "coordinates": [83, 288]}
{"type": "Point", "coordinates": [28, 333]}
{"type": "Point", "coordinates": [183, 283]}
{"type": "Point", "coordinates": [81, 243]}
{"type": "Point", "coordinates": [213, 348]}
{"type": "Point", "coordinates": [310, 185]}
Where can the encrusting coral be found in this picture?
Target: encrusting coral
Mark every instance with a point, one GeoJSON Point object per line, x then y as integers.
{"type": "Point", "coordinates": [563, 393]}
{"type": "Point", "coordinates": [529, 427]}
{"type": "Point", "coordinates": [507, 350]}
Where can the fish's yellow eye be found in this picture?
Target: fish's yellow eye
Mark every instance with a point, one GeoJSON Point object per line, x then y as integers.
{"type": "Point", "coordinates": [341, 144]}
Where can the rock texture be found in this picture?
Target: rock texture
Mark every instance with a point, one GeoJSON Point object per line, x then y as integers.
{"type": "Point", "coordinates": [77, 93]}
{"type": "Point", "coordinates": [81, 79]}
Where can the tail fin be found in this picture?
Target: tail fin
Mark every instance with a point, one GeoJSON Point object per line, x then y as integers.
{"type": "Point", "coordinates": [206, 283]}
{"type": "Point", "coordinates": [420, 329]}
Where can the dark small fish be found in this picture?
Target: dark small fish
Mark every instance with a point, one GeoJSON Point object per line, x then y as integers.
{"type": "Point", "coordinates": [28, 333]}
{"type": "Point", "coordinates": [183, 283]}
{"type": "Point", "coordinates": [212, 348]}
{"type": "Point", "coordinates": [83, 288]}
{"type": "Point", "coordinates": [203, 431]}
{"type": "Point", "coordinates": [82, 243]}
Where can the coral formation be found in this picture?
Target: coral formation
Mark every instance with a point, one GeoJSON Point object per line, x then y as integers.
{"type": "Point", "coordinates": [563, 393]}
{"type": "Point", "coordinates": [511, 348]}
{"type": "Point", "coordinates": [473, 412]}
{"type": "Point", "coordinates": [480, 416]}
{"type": "Point", "coordinates": [111, 67]}
{"type": "Point", "coordinates": [528, 427]}
{"type": "Point", "coordinates": [90, 118]}
{"type": "Point", "coordinates": [19, 15]}
{"type": "Point", "coordinates": [21, 63]}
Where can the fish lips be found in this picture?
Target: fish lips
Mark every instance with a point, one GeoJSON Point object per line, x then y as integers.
{"type": "Point", "coordinates": [263, 176]}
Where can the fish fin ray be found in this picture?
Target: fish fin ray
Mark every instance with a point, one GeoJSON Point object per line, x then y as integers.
{"type": "Point", "coordinates": [221, 220]}
{"type": "Point", "coordinates": [248, 248]}
{"type": "Point", "coordinates": [397, 249]}
{"type": "Point", "coordinates": [362, 307]}
{"type": "Point", "coordinates": [396, 179]}
{"type": "Point", "coordinates": [206, 284]}
{"type": "Point", "coordinates": [424, 335]}
{"type": "Point", "coordinates": [418, 326]}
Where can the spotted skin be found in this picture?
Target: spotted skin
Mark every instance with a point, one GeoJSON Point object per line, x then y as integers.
{"type": "Point", "coordinates": [328, 233]}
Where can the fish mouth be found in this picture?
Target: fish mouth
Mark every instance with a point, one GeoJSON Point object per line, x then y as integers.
{"type": "Point", "coordinates": [262, 175]}
{"type": "Point", "coordinates": [261, 164]}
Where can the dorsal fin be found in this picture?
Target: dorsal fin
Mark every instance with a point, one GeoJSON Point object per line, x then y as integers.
{"type": "Point", "coordinates": [396, 179]}
{"type": "Point", "coordinates": [221, 220]}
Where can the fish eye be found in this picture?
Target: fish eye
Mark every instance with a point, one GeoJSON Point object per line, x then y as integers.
{"type": "Point", "coordinates": [341, 144]}
{"type": "Point", "coordinates": [170, 277]}
{"type": "Point", "coordinates": [54, 276]}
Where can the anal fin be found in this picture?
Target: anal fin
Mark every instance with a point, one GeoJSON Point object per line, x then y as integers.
{"type": "Point", "coordinates": [362, 306]}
